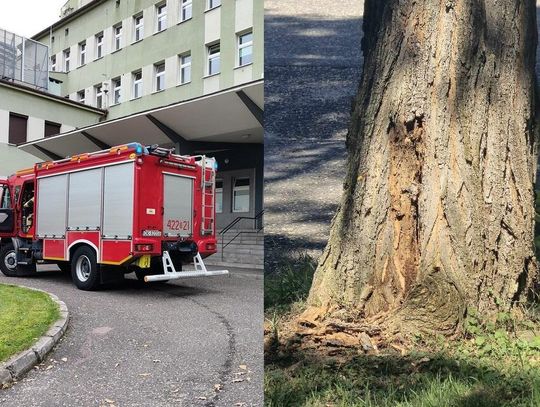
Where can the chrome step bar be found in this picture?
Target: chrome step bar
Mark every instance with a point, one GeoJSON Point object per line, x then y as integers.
{"type": "Point", "coordinates": [170, 273]}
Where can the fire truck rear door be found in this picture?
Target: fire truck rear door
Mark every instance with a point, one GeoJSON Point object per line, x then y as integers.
{"type": "Point", "coordinates": [177, 205]}
{"type": "Point", "coordinates": [7, 215]}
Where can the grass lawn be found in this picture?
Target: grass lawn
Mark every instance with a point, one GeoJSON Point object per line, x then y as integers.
{"type": "Point", "coordinates": [496, 363]}
{"type": "Point", "coordinates": [24, 316]}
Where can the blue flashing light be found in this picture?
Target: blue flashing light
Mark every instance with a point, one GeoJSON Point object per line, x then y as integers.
{"type": "Point", "coordinates": [215, 165]}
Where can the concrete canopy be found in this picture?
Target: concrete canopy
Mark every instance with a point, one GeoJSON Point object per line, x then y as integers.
{"type": "Point", "coordinates": [233, 115]}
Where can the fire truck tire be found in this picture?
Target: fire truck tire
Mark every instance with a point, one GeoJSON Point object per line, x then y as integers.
{"type": "Point", "coordinates": [84, 269]}
{"type": "Point", "coordinates": [8, 260]}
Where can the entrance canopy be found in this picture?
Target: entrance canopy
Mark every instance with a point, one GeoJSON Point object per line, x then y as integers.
{"type": "Point", "coordinates": [233, 115]}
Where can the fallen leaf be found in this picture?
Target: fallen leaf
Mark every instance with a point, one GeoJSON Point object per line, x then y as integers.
{"type": "Point", "coordinates": [218, 387]}
{"type": "Point", "coordinates": [243, 367]}
{"type": "Point", "coordinates": [145, 374]}
{"type": "Point", "coordinates": [156, 361]}
{"type": "Point", "coordinates": [64, 359]}
{"type": "Point", "coordinates": [109, 401]}
{"type": "Point", "coordinates": [49, 367]}
{"type": "Point", "coordinates": [237, 380]}
{"type": "Point", "coordinates": [201, 398]}
{"type": "Point", "coordinates": [118, 364]}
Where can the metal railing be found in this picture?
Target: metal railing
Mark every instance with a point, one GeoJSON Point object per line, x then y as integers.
{"type": "Point", "coordinates": [257, 229]}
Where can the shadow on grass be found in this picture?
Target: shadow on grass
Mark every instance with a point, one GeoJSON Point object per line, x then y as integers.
{"type": "Point", "coordinates": [417, 380]}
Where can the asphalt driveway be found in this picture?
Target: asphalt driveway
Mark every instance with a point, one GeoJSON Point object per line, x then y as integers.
{"type": "Point", "coordinates": [196, 342]}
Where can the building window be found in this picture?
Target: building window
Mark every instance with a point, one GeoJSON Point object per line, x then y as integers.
{"type": "Point", "coordinates": [99, 96]}
{"type": "Point", "coordinates": [139, 27]}
{"type": "Point", "coordinates": [67, 54]}
{"type": "Point", "coordinates": [17, 128]}
{"type": "Point", "coordinates": [66, 31]}
{"type": "Point", "coordinates": [51, 129]}
{"type": "Point", "coordinates": [185, 68]}
{"type": "Point", "coordinates": [159, 70]}
{"type": "Point", "coordinates": [53, 63]}
{"type": "Point", "coordinates": [82, 53]}
{"type": "Point", "coordinates": [219, 196]}
{"type": "Point", "coordinates": [214, 59]}
{"type": "Point", "coordinates": [99, 45]}
{"type": "Point", "coordinates": [81, 96]}
{"type": "Point", "coordinates": [241, 195]}
{"type": "Point", "coordinates": [161, 14]}
{"type": "Point", "coordinates": [137, 84]}
{"type": "Point", "coordinates": [117, 89]}
{"type": "Point", "coordinates": [186, 9]}
{"type": "Point", "coordinates": [245, 49]}
{"type": "Point", "coordinates": [213, 4]}
{"type": "Point", "coordinates": [118, 37]}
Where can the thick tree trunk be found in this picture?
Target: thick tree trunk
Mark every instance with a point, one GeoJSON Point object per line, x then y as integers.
{"type": "Point", "coordinates": [437, 214]}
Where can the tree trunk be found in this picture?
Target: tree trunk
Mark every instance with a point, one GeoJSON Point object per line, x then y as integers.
{"type": "Point", "coordinates": [437, 214]}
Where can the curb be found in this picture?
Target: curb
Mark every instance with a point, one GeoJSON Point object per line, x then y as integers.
{"type": "Point", "coordinates": [15, 367]}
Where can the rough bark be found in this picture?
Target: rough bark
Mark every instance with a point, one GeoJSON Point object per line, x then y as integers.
{"type": "Point", "coordinates": [437, 214]}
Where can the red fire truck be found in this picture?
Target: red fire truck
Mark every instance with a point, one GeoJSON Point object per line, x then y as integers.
{"type": "Point", "coordinates": [100, 215]}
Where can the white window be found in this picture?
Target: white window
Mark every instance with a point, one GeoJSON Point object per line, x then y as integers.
{"type": "Point", "coordinates": [159, 71]}
{"type": "Point", "coordinates": [82, 53]}
{"type": "Point", "coordinates": [213, 4]}
{"type": "Point", "coordinates": [139, 27]}
{"type": "Point", "coordinates": [186, 9]}
{"type": "Point", "coordinates": [245, 49]}
{"type": "Point", "coordinates": [241, 195]}
{"type": "Point", "coordinates": [117, 89]}
{"type": "Point", "coordinates": [161, 14]}
{"type": "Point", "coordinates": [219, 196]}
{"type": "Point", "coordinates": [99, 96]}
{"type": "Point", "coordinates": [81, 96]}
{"type": "Point", "coordinates": [67, 54]}
{"type": "Point", "coordinates": [185, 68]}
{"type": "Point", "coordinates": [214, 59]}
{"type": "Point", "coordinates": [137, 84]}
{"type": "Point", "coordinates": [118, 37]}
{"type": "Point", "coordinates": [99, 45]}
{"type": "Point", "coordinates": [53, 63]}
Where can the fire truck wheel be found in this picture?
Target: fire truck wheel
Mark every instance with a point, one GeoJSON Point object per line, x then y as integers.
{"type": "Point", "coordinates": [84, 269]}
{"type": "Point", "coordinates": [8, 260]}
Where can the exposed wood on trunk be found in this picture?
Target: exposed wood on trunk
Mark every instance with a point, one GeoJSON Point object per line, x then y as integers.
{"type": "Point", "coordinates": [437, 212]}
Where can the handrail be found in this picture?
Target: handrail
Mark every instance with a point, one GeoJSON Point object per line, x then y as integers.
{"type": "Point", "coordinates": [238, 219]}
{"type": "Point", "coordinates": [232, 224]}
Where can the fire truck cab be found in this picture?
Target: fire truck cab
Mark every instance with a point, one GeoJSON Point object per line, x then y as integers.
{"type": "Point", "coordinates": [101, 215]}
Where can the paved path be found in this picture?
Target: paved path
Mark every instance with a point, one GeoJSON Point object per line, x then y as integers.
{"type": "Point", "coordinates": [313, 65]}
{"type": "Point", "coordinates": [151, 345]}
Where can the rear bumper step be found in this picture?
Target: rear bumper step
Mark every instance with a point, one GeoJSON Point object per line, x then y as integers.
{"type": "Point", "coordinates": [170, 273]}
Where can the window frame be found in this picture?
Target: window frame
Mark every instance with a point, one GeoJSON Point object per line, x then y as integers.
{"type": "Point", "coordinates": [210, 58]}
{"type": "Point", "coordinates": [241, 188]}
{"type": "Point", "coordinates": [241, 46]}
{"type": "Point", "coordinates": [67, 59]}
{"type": "Point", "coordinates": [135, 83]}
{"type": "Point", "coordinates": [99, 95]}
{"type": "Point", "coordinates": [212, 4]}
{"type": "Point", "coordinates": [116, 90]}
{"type": "Point", "coordinates": [117, 37]}
{"type": "Point", "coordinates": [184, 65]}
{"type": "Point", "coordinates": [219, 190]}
{"type": "Point", "coordinates": [161, 17]}
{"type": "Point", "coordinates": [159, 76]}
{"type": "Point", "coordinates": [138, 27]}
{"type": "Point", "coordinates": [83, 99]}
{"type": "Point", "coordinates": [53, 63]}
{"type": "Point", "coordinates": [99, 39]}
{"type": "Point", "coordinates": [82, 53]}
{"type": "Point", "coordinates": [184, 5]}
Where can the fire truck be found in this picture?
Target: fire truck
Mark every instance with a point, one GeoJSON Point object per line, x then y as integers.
{"type": "Point", "coordinates": [100, 215]}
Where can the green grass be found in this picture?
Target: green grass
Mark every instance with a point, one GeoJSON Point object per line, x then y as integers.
{"type": "Point", "coordinates": [496, 363]}
{"type": "Point", "coordinates": [25, 315]}
{"type": "Point", "coordinates": [291, 285]}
